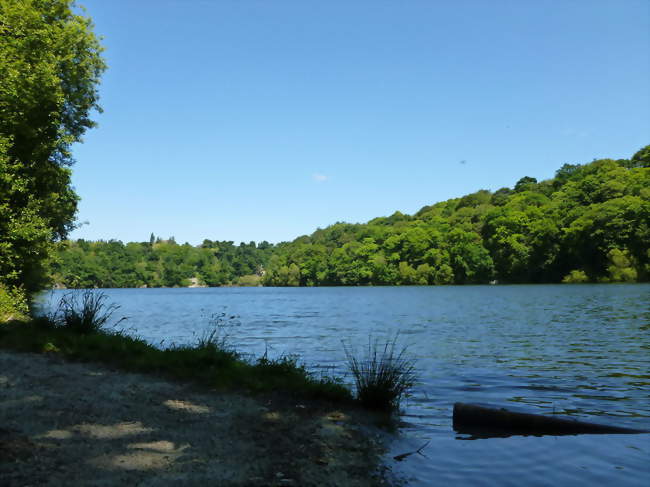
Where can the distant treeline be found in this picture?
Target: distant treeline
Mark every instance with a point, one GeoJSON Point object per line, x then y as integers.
{"type": "Point", "coordinates": [158, 263]}
{"type": "Point", "coordinates": [590, 223]}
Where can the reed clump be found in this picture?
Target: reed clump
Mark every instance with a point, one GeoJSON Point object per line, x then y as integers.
{"type": "Point", "coordinates": [84, 313]}
{"type": "Point", "coordinates": [383, 375]}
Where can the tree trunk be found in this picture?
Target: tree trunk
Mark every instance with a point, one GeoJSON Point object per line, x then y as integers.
{"type": "Point", "coordinates": [489, 422]}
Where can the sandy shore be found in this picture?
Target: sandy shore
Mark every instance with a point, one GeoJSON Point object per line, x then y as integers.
{"type": "Point", "coordinates": [83, 424]}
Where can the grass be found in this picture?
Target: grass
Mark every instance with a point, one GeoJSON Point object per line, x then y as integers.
{"type": "Point", "coordinates": [78, 331]}
{"type": "Point", "coordinates": [205, 365]}
{"type": "Point", "coordinates": [216, 336]}
{"type": "Point", "coordinates": [383, 376]}
{"type": "Point", "coordinates": [84, 313]}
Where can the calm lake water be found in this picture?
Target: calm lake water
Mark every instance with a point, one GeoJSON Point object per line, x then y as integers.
{"type": "Point", "coordinates": [578, 350]}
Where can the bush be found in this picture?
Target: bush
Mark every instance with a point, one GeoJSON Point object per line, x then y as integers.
{"type": "Point", "coordinates": [90, 314]}
{"type": "Point", "coordinates": [383, 376]}
{"type": "Point", "coordinates": [249, 280]}
{"type": "Point", "coordinates": [621, 268]}
{"type": "Point", "coordinates": [575, 277]}
{"type": "Point", "coordinates": [13, 304]}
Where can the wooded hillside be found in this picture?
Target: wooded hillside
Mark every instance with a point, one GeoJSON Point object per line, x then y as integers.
{"type": "Point", "coordinates": [590, 223]}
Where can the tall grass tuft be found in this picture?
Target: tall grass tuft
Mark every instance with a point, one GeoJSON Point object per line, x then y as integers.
{"type": "Point", "coordinates": [86, 313]}
{"type": "Point", "coordinates": [383, 375]}
{"type": "Point", "coordinates": [217, 335]}
{"type": "Point", "coordinates": [213, 347]}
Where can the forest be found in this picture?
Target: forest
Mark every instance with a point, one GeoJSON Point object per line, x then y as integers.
{"type": "Point", "coordinates": [590, 223]}
{"type": "Point", "coordinates": [158, 263]}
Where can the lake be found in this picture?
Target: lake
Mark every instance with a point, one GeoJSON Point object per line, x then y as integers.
{"type": "Point", "coordinates": [576, 350]}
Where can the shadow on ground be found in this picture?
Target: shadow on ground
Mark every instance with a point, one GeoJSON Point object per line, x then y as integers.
{"type": "Point", "coordinates": [80, 424]}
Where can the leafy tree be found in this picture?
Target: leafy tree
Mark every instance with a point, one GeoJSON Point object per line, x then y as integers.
{"type": "Point", "coordinates": [525, 184]}
{"type": "Point", "coordinates": [564, 174]}
{"type": "Point", "coordinates": [621, 267]}
{"type": "Point", "coordinates": [407, 275]}
{"type": "Point", "coordinates": [641, 158]}
{"type": "Point", "coordinates": [50, 65]}
{"type": "Point", "coordinates": [470, 260]}
{"type": "Point", "coordinates": [482, 197]}
{"type": "Point", "coordinates": [500, 196]}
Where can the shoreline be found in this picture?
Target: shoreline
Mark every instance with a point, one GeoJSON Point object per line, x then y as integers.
{"type": "Point", "coordinates": [68, 423]}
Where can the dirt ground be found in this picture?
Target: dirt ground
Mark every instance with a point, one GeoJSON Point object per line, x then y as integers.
{"type": "Point", "coordinates": [67, 423]}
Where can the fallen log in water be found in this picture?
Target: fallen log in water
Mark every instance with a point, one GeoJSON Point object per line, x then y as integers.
{"type": "Point", "coordinates": [489, 422]}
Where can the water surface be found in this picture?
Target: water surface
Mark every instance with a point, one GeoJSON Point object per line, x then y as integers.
{"type": "Point", "coordinates": [581, 350]}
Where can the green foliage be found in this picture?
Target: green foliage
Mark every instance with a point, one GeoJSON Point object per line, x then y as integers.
{"type": "Point", "coordinates": [13, 304]}
{"type": "Point", "coordinates": [50, 66]}
{"type": "Point", "coordinates": [641, 158]}
{"type": "Point", "coordinates": [575, 277]}
{"type": "Point", "coordinates": [50, 348]}
{"type": "Point", "coordinates": [538, 232]}
{"type": "Point", "coordinates": [621, 268]}
{"type": "Point", "coordinates": [382, 376]}
{"type": "Point", "coordinates": [157, 263]}
{"type": "Point", "coordinates": [250, 280]}
{"type": "Point", "coordinates": [525, 184]}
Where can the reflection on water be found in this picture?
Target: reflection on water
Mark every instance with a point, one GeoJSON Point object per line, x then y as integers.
{"type": "Point", "coordinates": [578, 350]}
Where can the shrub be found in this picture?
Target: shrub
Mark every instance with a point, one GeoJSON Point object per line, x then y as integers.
{"type": "Point", "coordinates": [383, 376]}
{"type": "Point", "coordinates": [575, 276]}
{"type": "Point", "coordinates": [13, 304]}
{"type": "Point", "coordinates": [85, 313]}
{"type": "Point", "coordinates": [249, 280]}
{"type": "Point", "coordinates": [621, 268]}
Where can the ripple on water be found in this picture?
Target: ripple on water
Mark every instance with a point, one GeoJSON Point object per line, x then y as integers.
{"type": "Point", "coordinates": [574, 350]}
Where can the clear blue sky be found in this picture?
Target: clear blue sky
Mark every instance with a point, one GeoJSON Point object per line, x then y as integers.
{"type": "Point", "coordinates": [263, 120]}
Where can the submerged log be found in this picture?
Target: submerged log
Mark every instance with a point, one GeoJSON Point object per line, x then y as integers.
{"type": "Point", "coordinates": [487, 422]}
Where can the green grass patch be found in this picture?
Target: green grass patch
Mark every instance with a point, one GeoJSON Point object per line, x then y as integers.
{"type": "Point", "coordinates": [207, 364]}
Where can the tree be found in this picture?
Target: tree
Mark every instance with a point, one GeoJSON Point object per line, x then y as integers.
{"type": "Point", "coordinates": [642, 157]}
{"type": "Point", "coordinates": [50, 65]}
{"type": "Point", "coordinates": [621, 268]}
{"type": "Point", "coordinates": [471, 262]}
{"type": "Point", "coordinates": [525, 184]}
{"type": "Point", "coordinates": [566, 172]}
